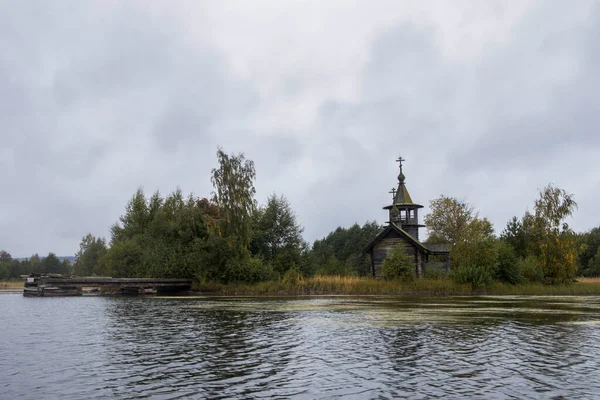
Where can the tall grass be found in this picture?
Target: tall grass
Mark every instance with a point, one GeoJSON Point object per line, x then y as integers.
{"type": "Point", "coordinates": [337, 285]}
{"type": "Point", "coordinates": [595, 279]}
{"type": "Point", "coordinates": [11, 285]}
{"type": "Point", "coordinates": [340, 285]}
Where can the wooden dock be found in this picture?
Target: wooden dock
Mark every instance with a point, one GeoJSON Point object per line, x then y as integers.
{"type": "Point", "coordinates": [52, 285]}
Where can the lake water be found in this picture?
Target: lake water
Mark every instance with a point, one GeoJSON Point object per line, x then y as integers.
{"type": "Point", "coordinates": [335, 347]}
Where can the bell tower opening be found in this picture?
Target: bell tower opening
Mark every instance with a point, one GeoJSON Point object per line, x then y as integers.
{"type": "Point", "coordinates": [403, 212]}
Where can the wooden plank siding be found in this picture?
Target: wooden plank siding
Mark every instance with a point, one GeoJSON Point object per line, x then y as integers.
{"type": "Point", "coordinates": [392, 236]}
{"type": "Point", "coordinates": [387, 244]}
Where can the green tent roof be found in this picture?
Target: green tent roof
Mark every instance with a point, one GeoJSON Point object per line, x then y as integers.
{"type": "Point", "coordinates": [402, 195]}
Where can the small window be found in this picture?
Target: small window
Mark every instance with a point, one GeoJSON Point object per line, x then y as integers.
{"type": "Point", "coordinates": [403, 215]}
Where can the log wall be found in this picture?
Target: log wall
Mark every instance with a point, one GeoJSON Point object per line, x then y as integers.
{"type": "Point", "coordinates": [386, 244]}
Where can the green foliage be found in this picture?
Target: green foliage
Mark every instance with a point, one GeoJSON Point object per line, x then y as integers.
{"type": "Point", "coordinates": [277, 235]}
{"type": "Point", "coordinates": [226, 260]}
{"type": "Point", "coordinates": [123, 260]}
{"type": "Point", "coordinates": [5, 263]}
{"type": "Point", "coordinates": [552, 207]}
{"type": "Point", "coordinates": [12, 269]}
{"type": "Point", "coordinates": [518, 234]}
{"type": "Point", "coordinates": [134, 221]}
{"type": "Point", "coordinates": [232, 241]}
{"type": "Point", "coordinates": [370, 286]}
{"type": "Point", "coordinates": [399, 264]}
{"type": "Point", "coordinates": [593, 268]}
{"type": "Point", "coordinates": [91, 249]}
{"type": "Point", "coordinates": [5, 257]}
{"type": "Point", "coordinates": [588, 258]}
{"type": "Point", "coordinates": [557, 243]}
{"type": "Point", "coordinates": [477, 276]}
{"type": "Point", "coordinates": [35, 263]}
{"type": "Point", "coordinates": [161, 237]}
{"type": "Point", "coordinates": [292, 277]}
{"type": "Point", "coordinates": [321, 284]}
{"type": "Point", "coordinates": [345, 245]}
{"type": "Point", "coordinates": [530, 269]}
{"type": "Point", "coordinates": [477, 250]}
{"type": "Point", "coordinates": [4, 271]}
{"type": "Point", "coordinates": [257, 271]}
{"type": "Point", "coordinates": [435, 274]}
{"type": "Point", "coordinates": [507, 269]}
{"type": "Point", "coordinates": [456, 222]}
{"type": "Point", "coordinates": [52, 265]}
{"type": "Point", "coordinates": [333, 266]}
{"type": "Point", "coordinates": [543, 240]}
{"type": "Point", "coordinates": [226, 239]}
{"type": "Point", "coordinates": [234, 185]}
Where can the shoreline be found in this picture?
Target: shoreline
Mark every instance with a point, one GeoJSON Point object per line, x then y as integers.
{"type": "Point", "coordinates": [329, 295]}
{"type": "Point", "coordinates": [321, 286]}
{"type": "Point", "coordinates": [327, 286]}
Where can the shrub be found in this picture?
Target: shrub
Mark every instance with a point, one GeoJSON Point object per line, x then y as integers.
{"type": "Point", "coordinates": [291, 277]}
{"type": "Point", "coordinates": [507, 269]}
{"type": "Point", "coordinates": [257, 271]}
{"type": "Point", "coordinates": [333, 266]}
{"type": "Point", "coordinates": [4, 271]}
{"type": "Point", "coordinates": [399, 265]}
{"type": "Point", "coordinates": [593, 267]}
{"type": "Point", "coordinates": [475, 275]}
{"type": "Point", "coordinates": [225, 260]}
{"type": "Point", "coordinates": [530, 269]}
{"type": "Point", "coordinates": [435, 274]}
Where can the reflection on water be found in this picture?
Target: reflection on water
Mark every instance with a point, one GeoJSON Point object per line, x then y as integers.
{"type": "Point", "coordinates": [197, 347]}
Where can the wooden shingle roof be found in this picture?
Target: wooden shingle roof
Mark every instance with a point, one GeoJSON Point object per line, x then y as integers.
{"type": "Point", "coordinates": [401, 232]}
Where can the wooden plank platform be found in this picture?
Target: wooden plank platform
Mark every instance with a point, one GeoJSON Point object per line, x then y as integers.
{"type": "Point", "coordinates": [36, 285]}
{"type": "Point", "coordinates": [131, 282]}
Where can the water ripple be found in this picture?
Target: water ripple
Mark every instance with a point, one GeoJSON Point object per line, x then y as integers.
{"type": "Point", "coordinates": [173, 348]}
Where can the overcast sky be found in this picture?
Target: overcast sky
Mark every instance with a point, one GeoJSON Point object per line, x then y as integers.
{"type": "Point", "coordinates": [488, 101]}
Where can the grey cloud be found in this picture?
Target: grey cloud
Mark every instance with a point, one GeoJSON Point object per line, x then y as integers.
{"type": "Point", "coordinates": [203, 107]}
{"type": "Point", "coordinates": [94, 105]}
{"type": "Point", "coordinates": [469, 130]}
{"type": "Point", "coordinates": [529, 117]}
{"type": "Point", "coordinates": [82, 94]}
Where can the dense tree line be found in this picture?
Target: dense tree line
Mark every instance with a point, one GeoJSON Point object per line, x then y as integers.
{"type": "Point", "coordinates": [230, 237]}
{"type": "Point", "coordinates": [227, 237]}
{"type": "Point", "coordinates": [340, 252]}
{"type": "Point", "coordinates": [538, 247]}
{"type": "Point", "coordinates": [11, 268]}
{"type": "Point", "coordinates": [589, 257]}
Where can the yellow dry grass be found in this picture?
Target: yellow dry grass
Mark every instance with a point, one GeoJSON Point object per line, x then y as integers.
{"type": "Point", "coordinates": [11, 284]}
{"type": "Point", "coordinates": [595, 279]}
{"type": "Point", "coordinates": [339, 285]}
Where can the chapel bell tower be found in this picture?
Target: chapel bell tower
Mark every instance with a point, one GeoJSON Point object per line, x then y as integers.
{"type": "Point", "coordinates": [403, 212]}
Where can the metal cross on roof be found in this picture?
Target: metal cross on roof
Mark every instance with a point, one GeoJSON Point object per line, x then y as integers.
{"type": "Point", "coordinates": [393, 192]}
{"type": "Point", "coordinates": [399, 160]}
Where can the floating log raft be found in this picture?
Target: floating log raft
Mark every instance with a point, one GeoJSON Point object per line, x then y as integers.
{"type": "Point", "coordinates": [58, 285]}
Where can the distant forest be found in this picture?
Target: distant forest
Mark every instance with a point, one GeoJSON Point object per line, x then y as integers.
{"type": "Point", "coordinates": [230, 237]}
